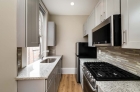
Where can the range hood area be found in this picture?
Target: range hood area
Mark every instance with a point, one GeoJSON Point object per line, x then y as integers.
{"type": "Point", "coordinates": [108, 33]}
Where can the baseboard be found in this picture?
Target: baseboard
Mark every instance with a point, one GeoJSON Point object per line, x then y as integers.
{"type": "Point", "coordinates": [68, 70]}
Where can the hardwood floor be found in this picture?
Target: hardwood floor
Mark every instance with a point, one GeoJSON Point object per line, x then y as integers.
{"type": "Point", "coordinates": [68, 84]}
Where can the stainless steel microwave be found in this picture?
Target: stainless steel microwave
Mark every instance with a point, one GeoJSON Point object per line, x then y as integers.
{"type": "Point", "coordinates": [108, 33]}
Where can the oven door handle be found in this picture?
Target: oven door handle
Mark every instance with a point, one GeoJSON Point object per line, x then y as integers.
{"type": "Point", "coordinates": [93, 89]}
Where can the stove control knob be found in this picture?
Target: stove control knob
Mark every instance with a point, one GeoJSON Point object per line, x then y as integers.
{"type": "Point", "coordinates": [92, 80]}
{"type": "Point", "coordinates": [88, 74]}
{"type": "Point", "coordinates": [87, 71]}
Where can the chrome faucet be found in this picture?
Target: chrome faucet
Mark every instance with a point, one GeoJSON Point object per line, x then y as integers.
{"type": "Point", "coordinates": [42, 57]}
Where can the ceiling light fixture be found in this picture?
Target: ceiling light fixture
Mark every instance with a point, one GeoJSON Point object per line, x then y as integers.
{"type": "Point", "coordinates": [72, 3]}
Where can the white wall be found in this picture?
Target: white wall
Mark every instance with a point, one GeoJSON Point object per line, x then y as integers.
{"type": "Point", "coordinates": [8, 68]}
{"type": "Point", "coordinates": [69, 30]}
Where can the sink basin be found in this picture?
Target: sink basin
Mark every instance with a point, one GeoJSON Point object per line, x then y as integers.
{"type": "Point", "coordinates": [48, 60]}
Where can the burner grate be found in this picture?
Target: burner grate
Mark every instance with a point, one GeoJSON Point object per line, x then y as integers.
{"type": "Point", "coordinates": [105, 71]}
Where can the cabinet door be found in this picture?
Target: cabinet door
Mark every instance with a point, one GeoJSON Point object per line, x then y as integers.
{"type": "Point", "coordinates": [51, 34]}
{"type": "Point", "coordinates": [112, 7]}
{"type": "Point", "coordinates": [21, 23]}
{"type": "Point", "coordinates": [60, 70]}
{"type": "Point", "coordinates": [57, 82]}
{"type": "Point", "coordinates": [32, 23]}
{"type": "Point", "coordinates": [88, 24]}
{"type": "Point", "coordinates": [104, 9]}
{"type": "Point", "coordinates": [130, 23]}
{"type": "Point", "coordinates": [56, 77]}
{"type": "Point", "coordinates": [31, 86]}
{"type": "Point", "coordinates": [98, 10]}
{"type": "Point", "coordinates": [85, 29]}
{"type": "Point", "coordinates": [52, 86]}
{"type": "Point", "coordinates": [109, 8]}
{"type": "Point", "coordinates": [91, 26]}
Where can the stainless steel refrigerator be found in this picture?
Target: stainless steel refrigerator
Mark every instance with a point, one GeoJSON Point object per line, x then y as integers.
{"type": "Point", "coordinates": [83, 51]}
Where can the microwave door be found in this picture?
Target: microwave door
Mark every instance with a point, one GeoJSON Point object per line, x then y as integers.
{"type": "Point", "coordinates": [108, 33]}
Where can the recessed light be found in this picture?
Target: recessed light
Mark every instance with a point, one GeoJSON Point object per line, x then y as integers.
{"type": "Point", "coordinates": [72, 3]}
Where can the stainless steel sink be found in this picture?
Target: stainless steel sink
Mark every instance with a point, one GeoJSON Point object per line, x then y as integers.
{"type": "Point", "coordinates": [48, 60]}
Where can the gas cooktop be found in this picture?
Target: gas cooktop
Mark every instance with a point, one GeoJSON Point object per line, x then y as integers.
{"type": "Point", "coordinates": [103, 71]}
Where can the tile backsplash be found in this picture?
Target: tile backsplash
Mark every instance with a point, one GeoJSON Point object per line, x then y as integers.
{"type": "Point", "coordinates": [52, 50]}
{"type": "Point", "coordinates": [127, 59]}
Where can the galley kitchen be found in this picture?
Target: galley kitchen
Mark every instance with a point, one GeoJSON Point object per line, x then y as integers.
{"type": "Point", "coordinates": [70, 46]}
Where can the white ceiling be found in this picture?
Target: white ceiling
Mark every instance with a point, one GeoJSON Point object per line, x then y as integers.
{"type": "Point", "coordinates": [63, 7]}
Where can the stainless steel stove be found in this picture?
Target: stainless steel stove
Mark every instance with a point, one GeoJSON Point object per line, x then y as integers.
{"type": "Point", "coordinates": [102, 71]}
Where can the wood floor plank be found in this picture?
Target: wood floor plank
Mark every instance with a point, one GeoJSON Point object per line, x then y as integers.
{"type": "Point", "coordinates": [68, 84]}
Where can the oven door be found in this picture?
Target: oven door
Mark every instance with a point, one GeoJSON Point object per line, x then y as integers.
{"type": "Point", "coordinates": [87, 86]}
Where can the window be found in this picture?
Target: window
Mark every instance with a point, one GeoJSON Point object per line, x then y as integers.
{"type": "Point", "coordinates": [36, 53]}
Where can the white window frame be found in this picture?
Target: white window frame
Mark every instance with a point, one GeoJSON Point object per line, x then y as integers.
{"type": "Point", "coordinates": [44, 27]}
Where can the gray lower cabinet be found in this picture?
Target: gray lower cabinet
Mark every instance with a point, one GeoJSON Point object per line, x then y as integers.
{"type": "Point", "coordinates": [56, 82]}
{"type": "Point", "coordinates": [59, 70]}
{"type": "Point", "coordinates": [52, 87]}
{"type": "Point", "coordinates": [38, 85]}
{"type": "Point", "coordinates": [54, 78]}
{"type": "Point", "coordinates": [58, 76]}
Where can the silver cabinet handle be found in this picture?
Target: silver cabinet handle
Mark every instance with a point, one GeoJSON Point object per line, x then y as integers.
{"type": "Point", "coordinates": [101, 18]}
{"type": "Point", "coordinates": [104, 15]}
{"type": "Point", "coordinates": [124, 37]}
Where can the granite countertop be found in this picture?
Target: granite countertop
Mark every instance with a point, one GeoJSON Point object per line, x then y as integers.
{"type": "Point", "coordinates": [115, 86]}
{"type": "Point", "coordinates": [38, 70]}
{"type": "Point", "coordinates": [119, 86]}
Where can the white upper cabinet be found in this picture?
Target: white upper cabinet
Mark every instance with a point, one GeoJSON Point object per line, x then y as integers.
{"type": "Point", "coordinates": [106, 8]}
{"type": "Point", "coordinates": [88, 26]}
{"type": "Point", "coordinates": [51, 34]}
{"type": "Point", "coordinates": [98, 12]}
{"type": "Point", "coordinates": [91, 25]}
{"type": "Point", "coordinates": [112, 7]}
{"type": "Point", "coordinates": [28, 23]}
{"type": "Point", "coordinates": [102, 10]}
{"type": "Point", "coordinates": [130, 11]}
{"type": "Point", "coordinates": [85, 29]}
